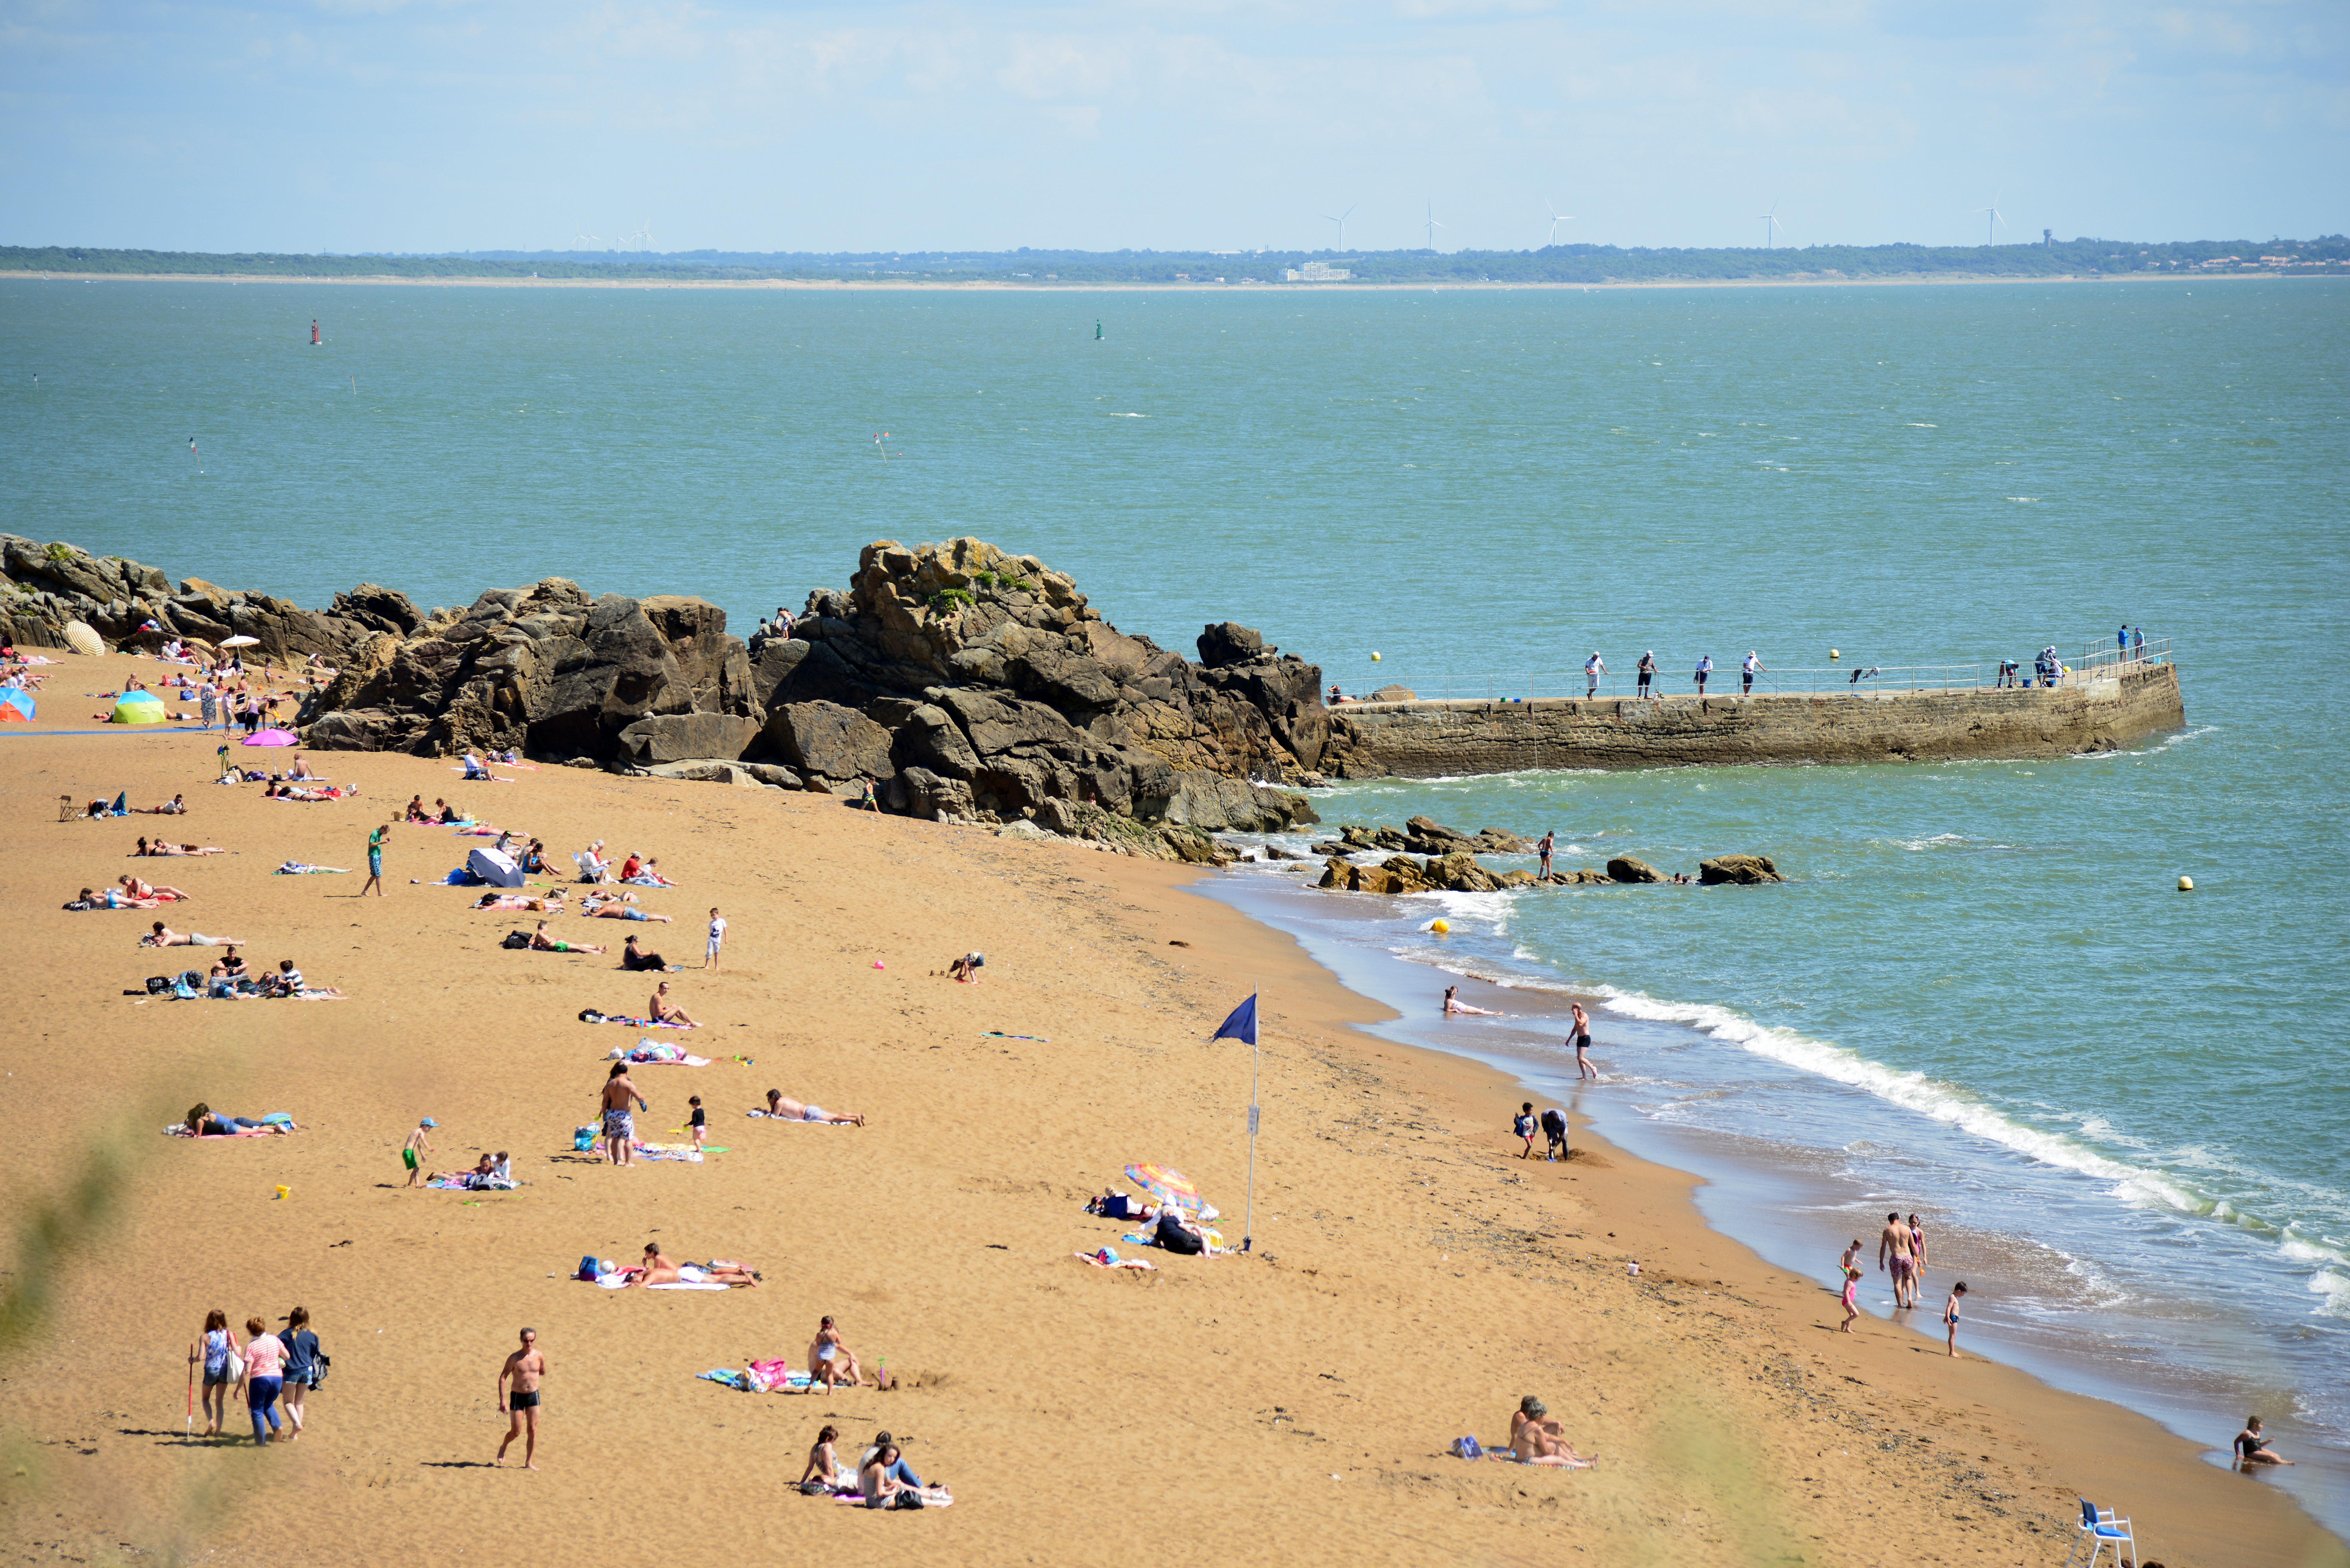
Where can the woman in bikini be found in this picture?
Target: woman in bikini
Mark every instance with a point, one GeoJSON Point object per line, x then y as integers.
{"type": "Point", "coordinates": [1536, 1439]}
{"type": "Point", "coordinates": [824, 1471]}
{"type": "Point", "coordinates": [154, 892]}
{"type": "Point", "coordinates": [782, 1108]}
{"type": "Point", "coordinates": [163, 936]}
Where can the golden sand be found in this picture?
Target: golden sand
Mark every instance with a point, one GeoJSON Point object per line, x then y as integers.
{"type": "Point", "coordinates": [1411, 1278]}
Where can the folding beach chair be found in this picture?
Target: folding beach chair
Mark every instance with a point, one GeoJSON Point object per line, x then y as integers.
{"type": "Point", "coordinates": [2097, 1527]}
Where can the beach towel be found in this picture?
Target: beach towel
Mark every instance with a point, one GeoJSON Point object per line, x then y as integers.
{"type": "Point", "coordinates": [589, 1015]}
{"type": "Point", "coordinates": [684, 1151]}
{"type": "Point", "coordinates": [295, 868]}
{"type": "Point", "coordinates": [620, 1282]}
{"type": "Point", "coordinates": [1106, 1258]}
{"type": "Point", "coordinates": [856, 1499]}
{"type": "Point", "coordinates": [653, 1054]}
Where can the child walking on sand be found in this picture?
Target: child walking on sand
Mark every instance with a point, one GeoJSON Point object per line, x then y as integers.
{"type": "Point", "coordinates": [1950, 1315]}
{"type": "Point", "coordinates": [1851, 1283]}
{"type": "Point", "coordinates": [1524, 1127]}
{"type": "Point", "coordinates": [413, 1152]}
{"type": "Point", "coordinates": [700, 1122]}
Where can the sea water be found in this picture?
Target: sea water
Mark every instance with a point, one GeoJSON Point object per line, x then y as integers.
{"type": "Point", "coordinates": [2118, 1107]}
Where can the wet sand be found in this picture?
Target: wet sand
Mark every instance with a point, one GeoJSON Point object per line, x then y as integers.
{"type": "Point", "coordinates": [1411, 1278]}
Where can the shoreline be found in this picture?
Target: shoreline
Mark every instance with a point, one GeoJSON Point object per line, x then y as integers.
{"type": "Point", "coordinates": [1775, 1196]}
{"type": "Point", "coordinates": [1040, 286]}
{"type": "Point", "coordinates": [1411, 1279]}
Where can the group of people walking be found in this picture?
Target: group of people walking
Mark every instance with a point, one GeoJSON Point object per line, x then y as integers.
{"type": "Point", "coordinates": [1901, 1252]}
{"type": "Point", "coordinates": [266, 1366]}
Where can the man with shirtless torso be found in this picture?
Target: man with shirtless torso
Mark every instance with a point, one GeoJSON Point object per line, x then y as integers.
{"type": "Point", "coordinates": [663, 1010]}
{"type": "Point", "coordinates": [1893, 1244]}
{"type": "Point", "coordinates": [619, 1125]}
{"type": "Point", "coordinates": [524, 1368]}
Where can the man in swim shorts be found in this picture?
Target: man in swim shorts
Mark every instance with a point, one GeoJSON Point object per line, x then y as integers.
{"type": "Point", "coordinates": [524, 1368]}
{"type": "Point", "coordinates": [619, 1125]}
{"type": "Point", "coordinates": [375, 860]}
{"type": "Point", "coordinates": [1893, 1248]}
{"type": "Point", "coordinates": [1583, 1068]}
{"type": "Point", "coordinates": [413, 1151]}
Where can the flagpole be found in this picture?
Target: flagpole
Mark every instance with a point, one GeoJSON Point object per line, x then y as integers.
{"type": "Point", "coordinates": [1248, 1221]}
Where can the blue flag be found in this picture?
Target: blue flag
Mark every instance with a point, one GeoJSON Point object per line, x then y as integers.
{"type": "Point", "coordinates": [1242, 1024]}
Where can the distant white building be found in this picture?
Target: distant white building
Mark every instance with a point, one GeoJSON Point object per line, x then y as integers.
{"type": "Point", "coordinates": [1316, 272]}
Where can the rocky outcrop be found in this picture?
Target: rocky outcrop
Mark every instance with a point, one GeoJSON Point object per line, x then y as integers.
{"type": "Point", "coordinates": [1630, 868]}
{"type": "Point", "coordinates": [963, 682]}
{"type": "Point", "coordinates": [1422, 836]}
{"type": "Point", "coordinates": [44, 587]}
{"type": "Point", "coordinates": [1747, 870]}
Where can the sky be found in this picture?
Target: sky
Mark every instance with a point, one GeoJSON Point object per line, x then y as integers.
{"type": "Point", "coordinates": [433, 125]}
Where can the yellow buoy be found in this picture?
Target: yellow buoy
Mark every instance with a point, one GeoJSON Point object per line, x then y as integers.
{"type": "Point", "coordinates": [1375, 656]}
{"type": "Point", "coordinates": [2186, 884]}
{"type": "Point", "coordinates": [1835, 653]}
{"type": "Point", "coordinates": [1441, 928]}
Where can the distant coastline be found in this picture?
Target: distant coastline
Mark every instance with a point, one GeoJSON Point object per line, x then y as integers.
{"type": "Point", "coordinates": [994, 286]}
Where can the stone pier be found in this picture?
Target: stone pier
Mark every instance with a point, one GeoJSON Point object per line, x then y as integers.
{"type": "Point", "coordinates": [2100, 711]}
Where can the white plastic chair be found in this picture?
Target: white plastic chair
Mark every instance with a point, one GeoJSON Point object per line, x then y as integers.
{"type": "Point", "coordinates": [2098, 1526]}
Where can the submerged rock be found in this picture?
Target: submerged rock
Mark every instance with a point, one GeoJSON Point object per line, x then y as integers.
{"type": "Point", "coordinates": [1629, 868]}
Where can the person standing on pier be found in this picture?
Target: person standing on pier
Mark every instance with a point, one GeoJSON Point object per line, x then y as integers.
{"type": "Point", "coordinates": [1704, 668]}
{"type": "Point", "coordinates": [2138, 642]}
{"type": "Point", "coordinates": [1592, 669]}
{"type": "Point", "coordinates": [2121, 640]}
{"type": "Point", "coordinates": [1747, 671]}
{"type": "Point", "coordinates": [1647, 670]}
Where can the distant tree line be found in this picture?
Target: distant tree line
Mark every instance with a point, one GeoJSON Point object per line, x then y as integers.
{"type": "Point", "coordinates": [1578, 264]}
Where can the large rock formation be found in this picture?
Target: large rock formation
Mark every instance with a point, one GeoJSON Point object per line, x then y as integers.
{"type": "Point", "coordinates": [962, 682]}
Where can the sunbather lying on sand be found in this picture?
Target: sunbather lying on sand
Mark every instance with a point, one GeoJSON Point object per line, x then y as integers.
{"type": "Point", "coordinates": [1536, 1439]}
{"type": "Point", "coordinates": [663, 1010]}
{"type": "Point", "coordinates": [783, 1109]}
{"type": "Point", "coordinates": [661, 1269]}
{"type": "Point", "coordinates": [550, 905]}
{"type": "Point", "coordinates": [160, 848]}
{"type": "Point", "coordinates": [612, 909]}
{"type": "Point", "coordinates": [202, 1121]}
{"type": "Point", "coordinates": [161, 893]}
{"type": "Point", "coordinates": [647, 875]}
{"type": "Point", "coordinates": [177, 808]}
{"type": "Point", "coordinates": [541, 942]}
{"type": "Point", "coordinates": [163, 936]}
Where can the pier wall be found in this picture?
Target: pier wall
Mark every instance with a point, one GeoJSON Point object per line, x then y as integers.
{"type": "Point", "coordinates": [1431, 739]}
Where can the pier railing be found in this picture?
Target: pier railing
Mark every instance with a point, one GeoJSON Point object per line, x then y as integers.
{"type": "Point", "coordinates": [2100, 661]}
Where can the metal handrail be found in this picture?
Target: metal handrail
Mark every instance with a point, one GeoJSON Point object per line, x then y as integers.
{"type": "Point", "coordinates": [1825, 680]}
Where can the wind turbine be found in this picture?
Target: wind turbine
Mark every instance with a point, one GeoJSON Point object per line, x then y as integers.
{"type": "Point", "coordinates": [581, 241]}
{"type": "Point", "coordinates": [1432, 226]}
{"type": "Point", "coordinates": [1770, 222]}
{"type": "Point", "coordinates": [1556, 220]}
{"type": "Point", "coordinates": [1996, 217]}
{"type": "Point", "coordinates": [1341, 220]}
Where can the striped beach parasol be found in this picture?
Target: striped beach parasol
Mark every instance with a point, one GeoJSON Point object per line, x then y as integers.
{"type": "Point", "coordinates": [1167, 1185]}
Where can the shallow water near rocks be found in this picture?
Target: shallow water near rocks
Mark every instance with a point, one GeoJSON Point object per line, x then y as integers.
{"type": "Point", "coordinates": [1979, 996]}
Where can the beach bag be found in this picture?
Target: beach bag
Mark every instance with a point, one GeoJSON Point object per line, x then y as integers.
{"type": "Point", "coordinates": [320, 1361]}
{"type": "Point", "coordinates": [157, 984]}
{"type": "Point", "coordinates": [583, 1141]}
{"type": "Point", "coordinates": [907, 1500]}
{"type": "Point", "coordinates": [589, 1015]}
{"type": "Point", "coordinates": [813, 1489]}
{"type": "Point", "coordinates": [587, 1270]}
{"type": "Point", "coordinates": [1468, 1449]}
{"type": "Point", "coordinates": [516, 940]}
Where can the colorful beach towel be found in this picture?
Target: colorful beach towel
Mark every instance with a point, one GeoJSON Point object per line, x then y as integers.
{"type": "Point", "coordinates": [589, 1015]}
{"type": "Point", "coordinates": [653, 1054]}
{"type": "Point", "coordinates": [297, 869]}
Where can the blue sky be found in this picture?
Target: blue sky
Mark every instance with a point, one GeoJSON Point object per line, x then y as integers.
{"type": "Point", "coordinates": [464, 124]}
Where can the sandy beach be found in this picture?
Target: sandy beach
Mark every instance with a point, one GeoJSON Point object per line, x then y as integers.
{"type": "Point", "coordinates": [1411, 1278]}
